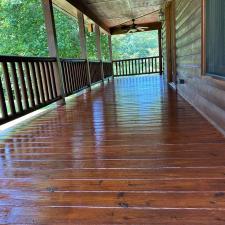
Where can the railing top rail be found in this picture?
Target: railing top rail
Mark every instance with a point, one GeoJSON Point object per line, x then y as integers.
{"type": "Point", "coordinates": [72, 60]}
{"type": "Point", "coordinates": [119, 60]}
{"type": "Point", "coordinates": [94, 61]}
{"type": "Point", "coordinates": [4, 58]}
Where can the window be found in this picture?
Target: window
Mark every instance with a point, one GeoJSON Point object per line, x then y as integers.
{"type": "Point", "coordinates": [215, 37]}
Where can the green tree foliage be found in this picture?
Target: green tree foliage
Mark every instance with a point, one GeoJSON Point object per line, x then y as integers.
{"type": "Point", "coordinates": [105, 47]}
{"type": "Point", "coordinates": [91, 45]}
{"type": "Point", "coordinates": [22, 28]}
{"type": "Point", "coordinates": [67, 30]}
{"type": "Point", "coordinates": [136, 45]}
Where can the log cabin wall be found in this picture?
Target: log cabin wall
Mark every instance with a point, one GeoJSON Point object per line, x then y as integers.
{"type": "Point", "coordinates": [205, 93]}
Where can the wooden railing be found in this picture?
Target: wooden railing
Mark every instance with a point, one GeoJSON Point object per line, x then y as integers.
{"type": "Point", "coordinates": [75, 76]}
{"type": "Point", "coordinates": [107, 69]}
{"type": "Point", "coordinates": [137, 66]}
{"type": "Point", "coordinates": [27, 83]}
{"type": "Point", "coordinates": [95, 71]}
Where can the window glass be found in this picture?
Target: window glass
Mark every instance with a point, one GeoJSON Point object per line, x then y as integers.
{"type": "Point", "coordinates": [215, 37]}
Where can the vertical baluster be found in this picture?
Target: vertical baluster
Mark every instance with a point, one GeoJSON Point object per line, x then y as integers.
{"type": "Point", "coordinates": [152, 70]}
{"type": "Point", "coordinates": [133, 67]}
{"type": "Point", "coordinates": [65, 77]}
{"type": "Point", "coordinates": [156, 65]}
{"type": "Point", "coordinates": [146, 66]}
{"type": "Point", "coordinates": [138, 66]}
{"type": "Point", "coordinates": [83, 71]}
{"type": "Point", "coordinates": [39, 81]}
{"type": "Point", "coordinates": [130, 63]}
{"type": "Point", "coordinates": [9, 88]}
{"type": "Point", "coordinates": [75, 72]}
{"type": "Point", "coordinates": [81, 77]}
{"type": "Point", "coordinates": [3, 102]}
{"type": "Point", "coordinates": [52, 79]}
{"type": "Point", "coordinates": [72, 75]}
{"type": "Point", "coordinates": [81, 74]}
{"type": "Point", "coordinates": [29, 84]}
{"type": "Point", "coordinates": [84, 74]}
{"type": "Point", "coordinates": [129, 67]}
{"type": "Point", "coordinates": [126, 66]}
{"type": "Point", "coordinates": [116, 63]}
{"type": "Point", "coordinates": [16, 87]}
{"type": "Point", "coordinates": [44, 81]}
{"type": "Point", "coordinates": [100, 71]}
{"type": "Point", "coordinates": [23, 86]}
{"type": "Point", "coordinates": [119, 68]}
{"type": "Point", "coordinates": [68, 77]}
{"type": "Point", "coordinates": [48, 80]}
{"type": "Point", "coordinates": [149, 65]}
{"type": "Point", "coordinates": [76, 77]}
{"type": "Point", "coordinates": [35, 83]}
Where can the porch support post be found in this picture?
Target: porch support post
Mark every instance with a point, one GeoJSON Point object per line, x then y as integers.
{"type": "Point", "coordinates": [83, 43]}
{"type": "Point", "coordinates": [110, 47]}
{"type": "Point", "coordinates": [160, 52]}
{"type": "Point", "coordinates": [52, 47]}
{"type": "Point", "coordinates": [110, 51]}
{"type": "Point", "coordinates": [99, 53]}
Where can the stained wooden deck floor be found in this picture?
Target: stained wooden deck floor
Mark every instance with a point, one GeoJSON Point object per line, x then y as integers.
{"type": "Point", "coordinates": [129, 152]}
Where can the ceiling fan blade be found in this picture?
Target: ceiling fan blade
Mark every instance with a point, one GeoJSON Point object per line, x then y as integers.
{"type": "Point", "coordinates": [142, 29]}
{"type": "Point", "coordinates": [132, 31]}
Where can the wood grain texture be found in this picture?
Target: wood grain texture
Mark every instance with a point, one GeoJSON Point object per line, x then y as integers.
{"type": "Point", "coordinates": [130, 151]}
{"type": "Point", "coordinates": [203, 92]}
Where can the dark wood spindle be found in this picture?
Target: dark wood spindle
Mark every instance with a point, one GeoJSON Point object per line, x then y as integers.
{"type": "Point", "coordinates": [35, 83]}
{"type": "Point", "coordinates": [50, 91]}
{"type": "Point", "coordinates": [3, 102]}
{"type": "Point", "coordinates": [8, 88]}
{"type": "Point", "coordinates": [29, 84]}
{"type": "Point", "coordinates": [16, 87]}
{"type": "Point", "coordinates": [39, 81]}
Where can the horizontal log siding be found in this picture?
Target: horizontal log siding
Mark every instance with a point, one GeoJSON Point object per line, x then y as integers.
{"type": "Point", "coordinates": [205, 93]}
{"type": "Point", "coordinates": [188, 37]}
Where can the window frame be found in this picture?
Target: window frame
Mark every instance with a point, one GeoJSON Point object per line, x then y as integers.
{"type": "Point", "coordinates": [203, 47]}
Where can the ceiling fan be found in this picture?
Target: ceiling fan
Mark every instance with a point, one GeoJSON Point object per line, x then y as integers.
{"type": "Point", "coordinates": [133, 28]}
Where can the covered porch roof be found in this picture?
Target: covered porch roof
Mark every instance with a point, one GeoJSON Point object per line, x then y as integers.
{"type": "Point", "coordinates": [112, 15]}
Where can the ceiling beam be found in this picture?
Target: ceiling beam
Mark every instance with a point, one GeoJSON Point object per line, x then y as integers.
{"type": "Point", "coordinates": [151, 26]}
{"type": "Point", "coordinates": [85, 10]}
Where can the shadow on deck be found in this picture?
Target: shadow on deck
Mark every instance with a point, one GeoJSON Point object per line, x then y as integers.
{"type": "Point", "coordinates": [128, 152]}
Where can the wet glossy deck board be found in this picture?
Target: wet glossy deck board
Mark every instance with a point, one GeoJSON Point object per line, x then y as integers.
{"type": "Point", "coordinates": [128, 152]}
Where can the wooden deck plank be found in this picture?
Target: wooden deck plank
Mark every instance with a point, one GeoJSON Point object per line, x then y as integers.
{"type": "Point", "coordinates": [128, 152]}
